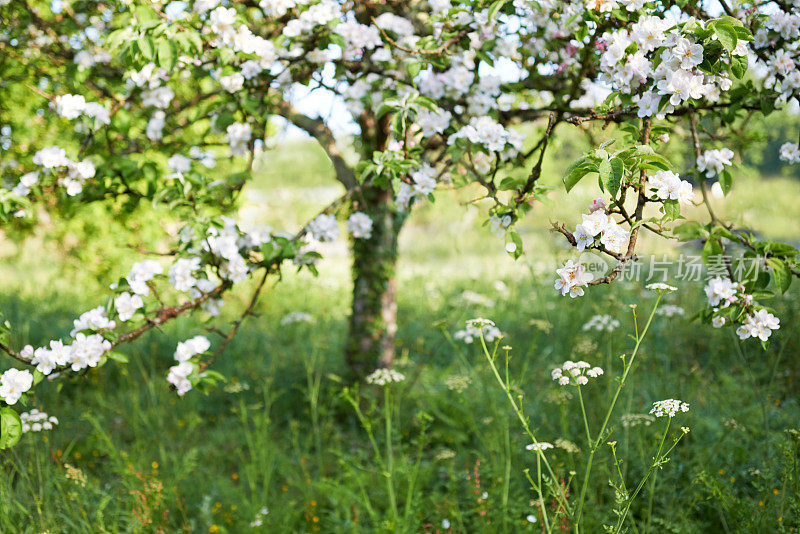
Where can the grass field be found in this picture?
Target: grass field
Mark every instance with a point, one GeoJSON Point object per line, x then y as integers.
{"type": "Point", "coordinates": [279, 449]}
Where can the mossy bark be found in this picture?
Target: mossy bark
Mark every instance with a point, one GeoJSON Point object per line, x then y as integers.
{"type": "Point", "coordinates": [373, 322]}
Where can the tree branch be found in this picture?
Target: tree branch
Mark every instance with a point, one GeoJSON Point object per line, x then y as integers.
{"type": "Point", "coordinates": [317, 129]}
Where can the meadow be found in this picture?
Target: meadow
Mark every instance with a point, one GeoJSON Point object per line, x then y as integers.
{"type": "Point", "coordinates": [279, 448]}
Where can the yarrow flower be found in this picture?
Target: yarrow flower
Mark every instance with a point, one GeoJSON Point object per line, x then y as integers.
{"type": "Point", "coordinates": [381, 377]}
{"type": "Point", "coordinates": [296, 317]}
{"type": "Point", "coordinates": [539, 446]}
{"type": "Point", "coordinates": [457, 383]}
{"type": "Point", "coordinates": [670, 310]}
{"type": "Point", "coordinates": [36, 421]}
{"type": "Point", "coordinates": [601, 323]}
{"type": "Point", "coordinates": [477, 327]}
{"type": "Point", "coordinates": [630, 420]}
{"type": "Point", "coordinates": [661, 287]}
{"type": "Point", "coordinates": [567, 445]}
{"type": "Point", "coordinates": [577, 373]}
{"type": "Point", "coordinates": [668, 408]}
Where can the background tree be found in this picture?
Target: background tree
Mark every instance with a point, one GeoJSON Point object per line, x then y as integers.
{"type": "Point", "coordinates": [128, 102]}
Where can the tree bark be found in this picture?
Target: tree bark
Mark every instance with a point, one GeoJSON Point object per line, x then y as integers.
{"type": "Point", "coordinates": [373, 321]}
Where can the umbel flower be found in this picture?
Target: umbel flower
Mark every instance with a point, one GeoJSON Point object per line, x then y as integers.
{"type": "Point", "coordinates": [382, 377]}
{"type": "Point", "coordinates": [668, 408]}
{"type": "Point", "coordinates": [577, 373]}
{"type": "Point", "coordinates": [539, 446]}
{"type": "Point", "coordinates": [477, 327]}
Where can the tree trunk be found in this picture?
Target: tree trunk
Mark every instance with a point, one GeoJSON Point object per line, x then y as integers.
{"type": "Point", "coordinates": [373, 322]}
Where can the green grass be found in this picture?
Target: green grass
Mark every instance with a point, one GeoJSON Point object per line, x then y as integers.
{"type": "Point", "coordinates": [280, 435]}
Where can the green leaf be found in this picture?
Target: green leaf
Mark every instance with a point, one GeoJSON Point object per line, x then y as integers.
{"type": "Point", "coordinates": [780, 274]}
{"type": "Point", "coordinates": [725, 182]}
{"type": "Point", "coordinates": [727, 36]}
{"type": "Point", "coordinates": [386, 107]}
{"type": "Point", "coordinates": [672, 209]}
{"type": "Point", "coordinates": [167, 55]}
{"type": "Point", "coordinates": [413, 68]}
{"type": "Point", "coordinates": [38, 376]}
{"type": "Point", "coordinates": [606, 172]}
{"type": "Point", "coordinates": [195, 40]}
{"type": "Point", "coordinates": [654, 161]}
{"type": "Point", "coordinates": [10, 427]}
{"type": "Point", "coordinates": [146, 17]}
{"type": "Point", "coordinates": [514, 251]}
{"type": "Point", "coordinates": [495, 7]}
{"type": "Point", "coordinates": [617, 170]}
{"type": "Point", "coordinates": [576, 171]}
{"type": "Point", "coordinates": [739, 66]}
{"type": "Point", "coordinates": [689, 230]}
{"type": "Point", "coordinates": [147, 47]}
{"type": "Point", "coordinates": [117, 356]}
{"type": "Point", "coordinates": [783, 250]}
{"type": "Point", "coordinates": [711, 248]}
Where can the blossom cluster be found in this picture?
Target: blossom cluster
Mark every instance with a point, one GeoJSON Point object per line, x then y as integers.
{"type": "Point", "coordinates": [359, 225]}
{"type": "Point", "coordinates": [85, 351]}
{"type": "Point", "coordinates": [669, 186]}
{"type": "Point", "coordinates": [490, 134]}
{"type": "Point", "coordinates": [70, 174]}
{"type": "Point", "coordinates": [185, 354]}
{"type": "Point", "coordinates": [598, 226]}
{"type": "Point", "coordinates": [424, 183]}
{"type": "Point", "coordinates": [722, 293]}
{"type": "Point", "coordinates": [73, 106]}
{"type": "Point", "coordinates": [712, 162]}
{"type": "Point", "coordinates": [572, 278]}
{"type": "Point", "coordinates": [656, 58]}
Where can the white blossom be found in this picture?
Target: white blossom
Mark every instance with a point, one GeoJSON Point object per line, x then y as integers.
{"type": "Point", "coordinates": [359, 225]}
{"type": "Point", "coordinates": [13, 383]}
{"type": "Point", "coordinates": [324, 228]}
{"type": "Point", "coordinates": [127, 304]}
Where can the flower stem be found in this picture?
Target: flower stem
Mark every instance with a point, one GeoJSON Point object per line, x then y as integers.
{"type": "Point", "coordinates": [593, 446]}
